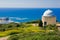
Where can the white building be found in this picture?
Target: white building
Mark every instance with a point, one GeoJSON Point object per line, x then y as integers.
{"type": "Point", "coordinates": [4, 20]}
{"type": "Point", "coordinates": [48, 18]}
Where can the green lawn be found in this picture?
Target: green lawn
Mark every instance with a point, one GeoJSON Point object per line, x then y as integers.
{"type": "Point", "coordinates": [29, 32]}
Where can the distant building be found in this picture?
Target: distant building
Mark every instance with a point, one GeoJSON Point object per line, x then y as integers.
{"type": "Point", "coordinates": [48, 18]}
{"type": "Point", "coordinates": [4, 20]}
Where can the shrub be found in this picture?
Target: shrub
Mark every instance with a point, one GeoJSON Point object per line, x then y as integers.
{"type": "Point", "coordinates": [12, 33]}
{"type": "Point", "coordinates": [14, 37]}
{"type": "Point", "coordinates": [40, 23]}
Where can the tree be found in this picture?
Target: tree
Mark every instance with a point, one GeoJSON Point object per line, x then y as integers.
{"type": "Point", "coordinates": [40, 23]}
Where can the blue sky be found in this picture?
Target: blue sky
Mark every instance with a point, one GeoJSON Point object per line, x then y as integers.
{"type": "Point", "coordinates": [29, 3]}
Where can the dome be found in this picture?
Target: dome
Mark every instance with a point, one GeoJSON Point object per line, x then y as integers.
{"type": "Point", "coordinates": [48, 13]}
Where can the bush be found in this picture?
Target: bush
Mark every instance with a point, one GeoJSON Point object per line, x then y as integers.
{"type": "Point", "coordinates": [14, 37]}
{"type": "Point", "coordinates": [40, 23]}
{"type": "Point", "coordinates": [12, 33]}
{"type": "Point", "coordinates": [51, 27]}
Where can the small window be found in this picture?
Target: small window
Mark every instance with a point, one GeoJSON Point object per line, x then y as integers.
{"type": "Point", "coordinates": [45, 23]}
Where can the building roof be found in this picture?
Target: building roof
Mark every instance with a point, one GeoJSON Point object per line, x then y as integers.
{"type": "Point", "coordinates": [48, 13]}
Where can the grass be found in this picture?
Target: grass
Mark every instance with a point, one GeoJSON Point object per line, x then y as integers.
{"type": "Point", "coordinates": [22, 30]}
{"type": "Point", "coordinates": [19, 30]}
{"type": "Point", "coordinates": [36, 36]}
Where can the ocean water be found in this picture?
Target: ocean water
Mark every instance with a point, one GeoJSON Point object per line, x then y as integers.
{"type": "Point", "coordinates": [27, 14]}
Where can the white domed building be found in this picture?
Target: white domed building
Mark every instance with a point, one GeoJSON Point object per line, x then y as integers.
{"type": "Point", "coordinates": [48, 18]}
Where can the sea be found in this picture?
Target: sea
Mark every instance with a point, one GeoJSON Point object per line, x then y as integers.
{"type": "Point", "coordinates": [27, 14]}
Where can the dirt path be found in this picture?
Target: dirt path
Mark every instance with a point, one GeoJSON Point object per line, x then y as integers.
{"type": "Point", "coordinates": [4, 38]}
